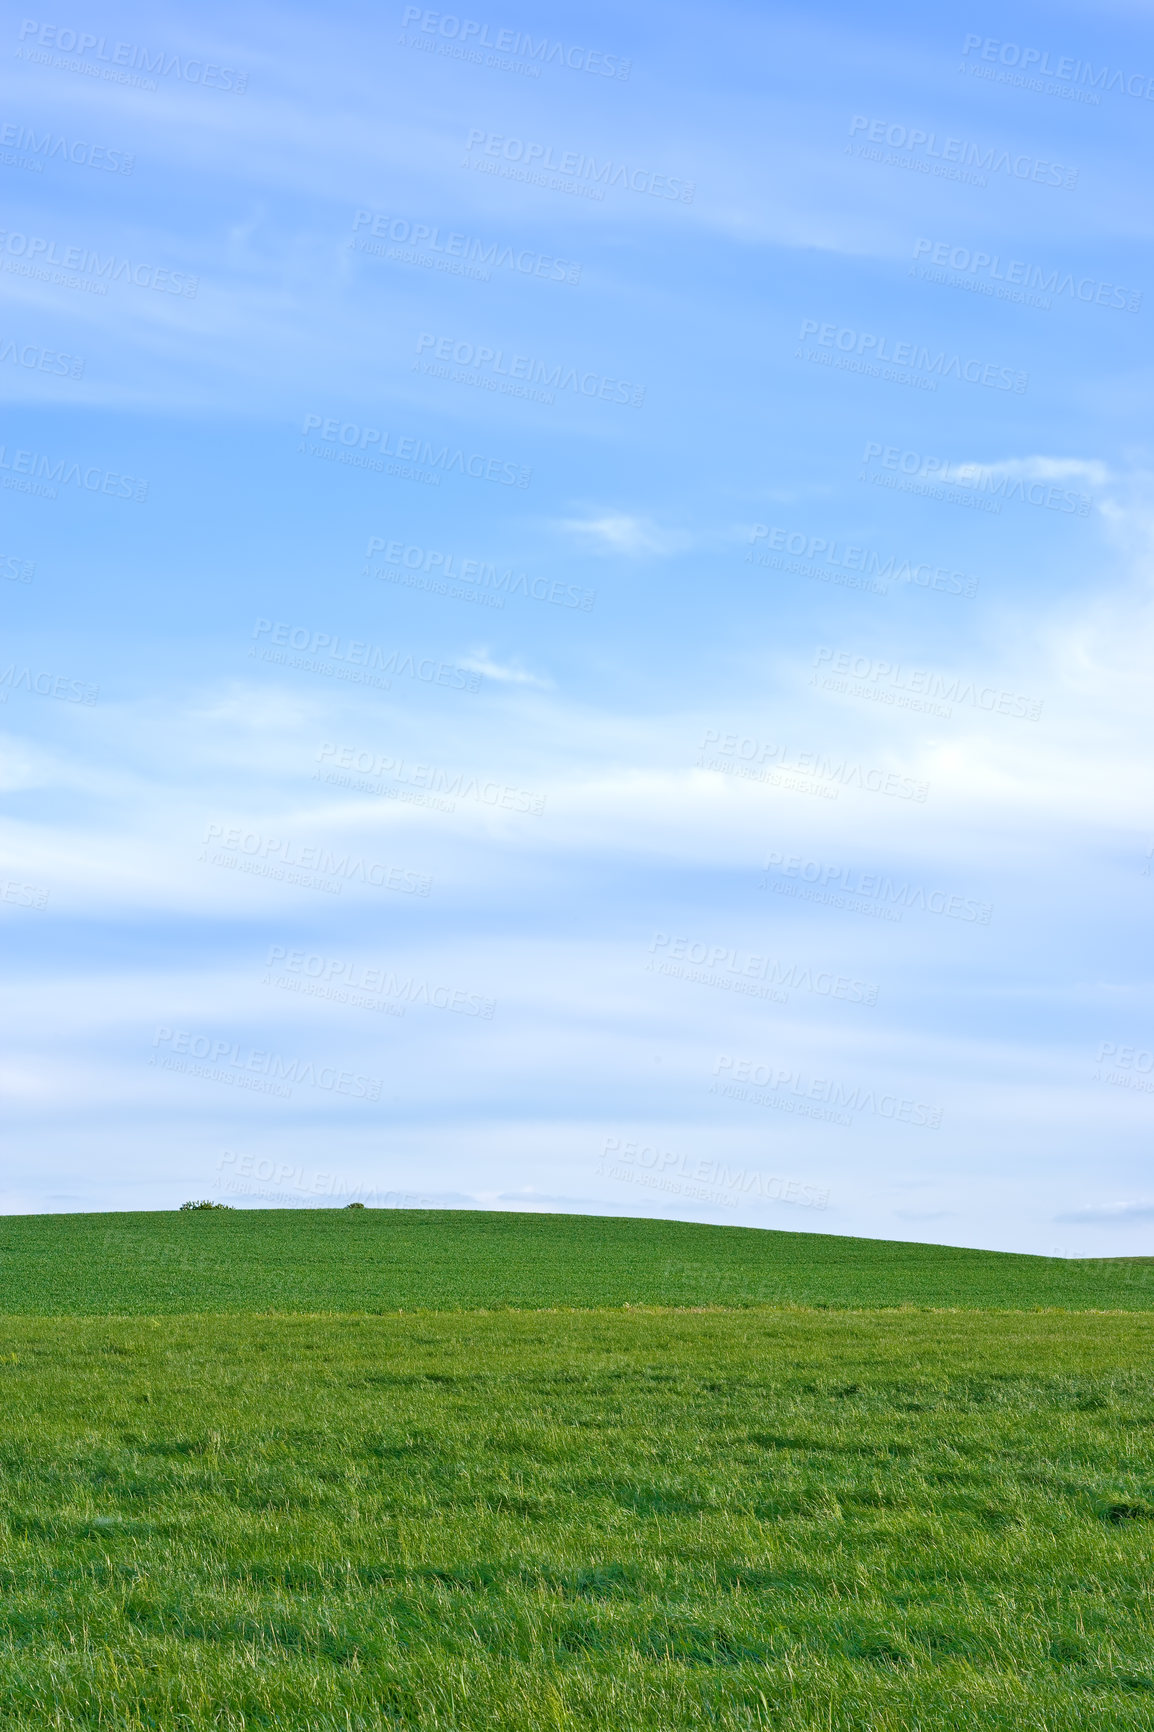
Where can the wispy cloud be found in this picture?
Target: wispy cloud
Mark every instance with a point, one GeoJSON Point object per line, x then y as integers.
{"type": "Point", "coordinates": [619, 532]}
{"type": "Point", "coordinates": [510, 673]}
{"type": "Point", "coordinates": [1108, 1214]}
{"type": "Point", "coordinates": [1087, 469]}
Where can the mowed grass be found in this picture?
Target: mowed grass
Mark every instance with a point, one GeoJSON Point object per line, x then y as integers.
{"type": "Point", "coordinates": [390, 1259]}
{"type": "Point", "coordinates": [623, 1520]}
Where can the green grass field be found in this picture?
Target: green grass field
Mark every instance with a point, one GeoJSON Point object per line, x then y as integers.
{"type": "Point", "coordinates": [394, 1259]}
{"type": "Point", "coordinates": [533, 1499]}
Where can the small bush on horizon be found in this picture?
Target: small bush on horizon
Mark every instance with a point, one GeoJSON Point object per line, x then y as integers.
{"type": "Point", "coordinates": [202, 1203]}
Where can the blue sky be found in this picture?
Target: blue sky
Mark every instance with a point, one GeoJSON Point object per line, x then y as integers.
{"type": "Point", "coordinates": [578, 613]}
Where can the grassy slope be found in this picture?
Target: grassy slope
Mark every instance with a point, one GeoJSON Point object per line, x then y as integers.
{"type": "Point", "coordinates": [382, 1260]}
{"type": "Point", "coordinates": [846, 1520]}
{"type": "Point", "coordinates": [812, 1522]}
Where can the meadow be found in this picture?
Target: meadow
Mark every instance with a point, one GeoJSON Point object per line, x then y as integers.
{"type": "Point", "coordinates": [443, 1260]}
{"type": "Point", "coordinates": [623, 1515]}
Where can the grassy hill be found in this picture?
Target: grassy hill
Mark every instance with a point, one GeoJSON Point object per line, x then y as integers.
{"type": "Point", "coordinates": [232, 1497]}
{"type": "Point", "coordinates": [388, 1260]}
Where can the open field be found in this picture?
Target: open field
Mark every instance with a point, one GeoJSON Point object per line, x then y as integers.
{"type": "Point", "coordinates": [490, 1483]}
{"type": "Point", "coordinates": [390, 1259]}
{"type": "Point", "coordinates": [620, 1521]}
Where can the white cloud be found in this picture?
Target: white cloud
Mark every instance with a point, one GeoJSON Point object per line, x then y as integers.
{"type": "Point", "coordinates": [1108, 1214]}
{"type": "Point", "coordinates": [1087, 469]}
{"type": "Point", "coordinates": [479, 661]}
{"type": "Point", "coordinates": [618, 532]}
